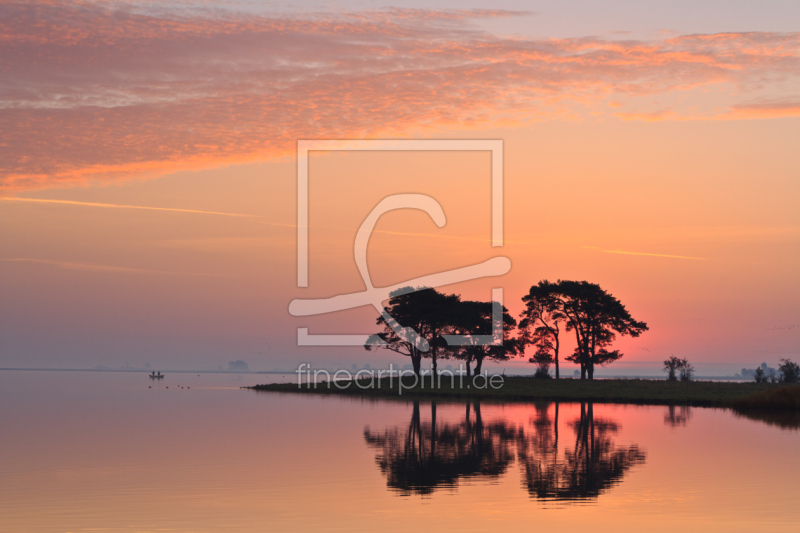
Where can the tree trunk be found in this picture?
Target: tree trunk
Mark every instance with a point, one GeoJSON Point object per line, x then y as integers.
{"type": "Point", "coordinates": [478, 433]}
{"type": "Point", "coordinates": [414, 431]}
{"type": "Point", "coordinates": [590, 414]}
{"type": "Point", "coordinates": [478, 364]}
{"type": "Point", "coordinates": [433, 429]}
{"type": "Point", "coordinates": [416, 362]}
{"type": "Point", "coordinates": [556, 356]}
{"type": "Point", "coordinates": [416, 427]}
{"type": "Point", "coordinates": [555, 428]}
{"type": "Point", "coordinates": [590, 369]}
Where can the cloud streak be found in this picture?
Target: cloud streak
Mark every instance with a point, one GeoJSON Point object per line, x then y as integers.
{"type": "Point", "coordinates": [89, 92]}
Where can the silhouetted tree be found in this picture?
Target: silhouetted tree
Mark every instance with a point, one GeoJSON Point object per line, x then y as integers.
{"type": "Point", "coordinates": [426, 311]}
{"type": "Point", "coordinates": [790, 371]}
{"type": "Point", "coordinates": [542, 321]}
{"type": "Point", "coordinates": [676, 364]}
{"type": "Point", "coordinates": [687, 370]}
{"type": "Point", "coordinates": [594, 315]}
{"type": "Point", "coordinates": [671, 367]}
{"type": "Point", "coordinates": [477, 318]}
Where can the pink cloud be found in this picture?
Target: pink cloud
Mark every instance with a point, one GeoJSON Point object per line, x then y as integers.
{"type": "Point", "coordinates": [90, 93]}
{"type": "Point", "coordinates": [653, 116]}
{"type": "Point", "coordinates": [765, 110]}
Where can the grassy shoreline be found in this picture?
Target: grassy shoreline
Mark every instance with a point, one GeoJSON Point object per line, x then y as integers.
{"type": "Point", "coordinates": [516, 388]}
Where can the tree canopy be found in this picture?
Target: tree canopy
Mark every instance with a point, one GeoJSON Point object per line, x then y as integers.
{"type": "Point", "coordinates": [428, 312]}
{"type": "Point", "coordinates": [595, 316]}
{"type": "Point", "coordinates": [473, 319]}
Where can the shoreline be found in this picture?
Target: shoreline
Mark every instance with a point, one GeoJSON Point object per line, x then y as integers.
{"type": "Point", "coordinates": [631, 391]}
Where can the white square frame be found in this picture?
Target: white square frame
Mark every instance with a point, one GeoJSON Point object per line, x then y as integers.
{"type": "Point", "coordinates": [402, 145]}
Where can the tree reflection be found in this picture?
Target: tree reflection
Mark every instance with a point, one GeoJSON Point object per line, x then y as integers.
{"type": "Point", "coordinates": [589, 465]}
{"type": "Point", "coordinates": [424, 456]}
{"type": "Point", "coordinates": [428, 455]}
{"type": "Point", "coordinates": [677, 417]}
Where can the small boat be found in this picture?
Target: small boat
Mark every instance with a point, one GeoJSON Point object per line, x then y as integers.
{"type": "Point", "coordinates": [153, 375]}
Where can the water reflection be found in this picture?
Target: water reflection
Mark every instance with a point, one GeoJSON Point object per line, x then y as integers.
{"type": "Point", "coordinates": [677, 417]}
{"type": "Point", "coordinates": [584, 467]}
{"type": "Point", "coordinates": [427, 455]}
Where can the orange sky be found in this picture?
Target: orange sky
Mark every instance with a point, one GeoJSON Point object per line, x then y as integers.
{"type": "Point", "coordinates": [663, 168]}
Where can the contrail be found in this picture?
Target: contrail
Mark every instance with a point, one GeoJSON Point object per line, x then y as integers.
{"type": "Point", "coordinates": [105, 268]}
{"type": "Point", "coordinates": [434, 235]}
{"type": "Point", "coordinates": [654, 255]}
{"type": "Point", "coordinates": [121, 206]}
{"type": "Point", "coordinates": [254, 218]}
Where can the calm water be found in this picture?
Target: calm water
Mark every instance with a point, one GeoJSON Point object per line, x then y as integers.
{"type": "Point", "coordinates": [103, 452]}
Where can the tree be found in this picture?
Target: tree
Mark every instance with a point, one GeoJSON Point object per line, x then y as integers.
{"type": "Point", "coordinates": [671, 366]}
{"type": "Point", "coordinates": [471, 319]}
{"type": "Point", "coordinates": [541, 322]}
{"type": "Point", "coordinates": [594, 315]}
{"type": "Point", "coordinates": [676, 364]}
{"type": "Point", "coordinates": [760, 376]}
{"type": "Point", "coordinates": [790, 371]}
{"type": "Point", "coordinates": [597, 318]}
{"type": "Point", "coordinates": [687, 370]}
{"type": "Point", "coordinates": [425, 311]}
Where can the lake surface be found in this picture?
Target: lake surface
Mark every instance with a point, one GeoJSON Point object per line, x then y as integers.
{"type": "Point", "coordinates": [104, 452]}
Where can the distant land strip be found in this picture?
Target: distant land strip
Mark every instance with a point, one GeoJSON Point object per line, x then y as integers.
{"type": "Point", "coordinates": [516, 388]}
{"type": "Point", "coordinates": [146, 370]}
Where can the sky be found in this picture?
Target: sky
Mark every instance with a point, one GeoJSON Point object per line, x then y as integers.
{"type": "Point", "coordinates": [148, 171]}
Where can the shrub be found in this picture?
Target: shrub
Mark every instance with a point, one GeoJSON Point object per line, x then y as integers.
{"type": "Point", "coordinates": [778, 399]}
{"type": "Point", "coordinates": [542, 359]}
